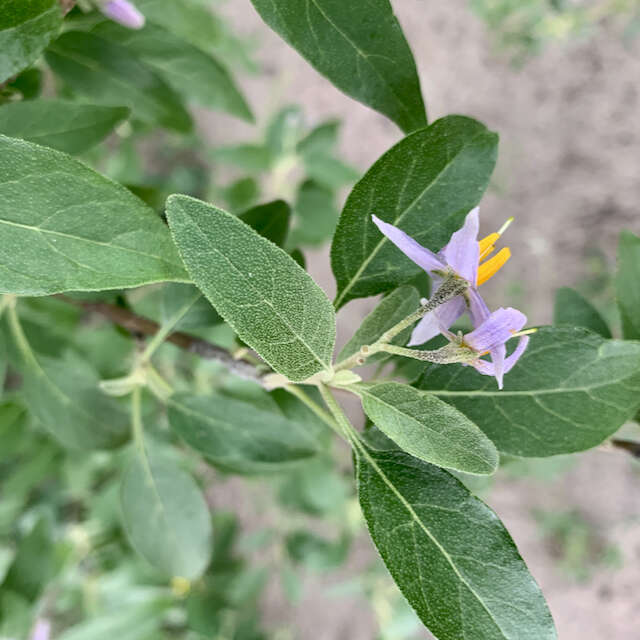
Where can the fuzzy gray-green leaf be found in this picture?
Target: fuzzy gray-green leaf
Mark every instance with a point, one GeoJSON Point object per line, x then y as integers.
{"type": "Point", "coordinates": [428, 428]}
{"type": "Point", "coordinates": [448, 552]}
{"type": "Point", "coordinates": [425, 185]}
{"type": "Point", "coordinates": [71, 127]}
{"type": "Point", "coordinates": [359, 46]}
{"type": "Point", "coordinates": [266, 297]}
{"type": "Point", "coordinates": [569, 391]}
{"type": "Point", "coordinates": [572, 309]}
{"type": "Point", "coordinates": [26, 27]}
{"type": "Point", "coordinates": [64, 227]}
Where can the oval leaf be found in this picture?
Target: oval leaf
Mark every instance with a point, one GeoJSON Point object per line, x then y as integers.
{"type": "Point", "coordinates": [67, 126]}
{"type": "Point", "coordinates": [240, 436]}
{"type": "Point", "coordinates": [270, 301]}
{"type": "Point", "coordinates": [109, 74]}
{"type": "Point", "coordinates": [448, 552]}
{"type": "Point", "coordinates": [627, 289]}
{"type": "Point", "coordinates": [359, 47]}
{"type": "Point", "coordinates": [166, 517]}
{"type": "Point", "coordinates": [64, 227]}
{"type": "Point", "coordinates": [425, 185]}
{"type": "Point", "coordinates": [26, 27]}
{"type": "Point", "coordinates": [570, 390]}
{"type": "Point", "coordinates": [428, 428]}
{"type": "Point", "coordinates": [572, 309]}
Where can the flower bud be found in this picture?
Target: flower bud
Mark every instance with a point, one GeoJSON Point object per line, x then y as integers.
{"type": "Point", "coordinates": [123, 12]}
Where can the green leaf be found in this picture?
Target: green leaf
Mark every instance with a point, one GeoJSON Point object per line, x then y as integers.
{"type": "Point", "coordinates": [66, 126]}
{"type": "Point", "coordinates": [64, 227]}
{"type": "Point", "coordinates": [628, 284]}
{"type": "Point", "coordinates": [26, 27]}
{"type": "Point", "coordinates": [391, 310]}
{"type": "Point", "coordinates": [572, 309]}
{"type": "Point", "coordinates": [240, 436]}
{"type": "Point", "coordinates": [270, 220]}
{"type": "Point", "coordinates": [108, 74]}
{"type": "Point", "coordinates": [165, 516]}
{"type": "Point", "coordinates": [187, 69]}
{"type": "Point", "coordinates": [428, 428]}
{"type": "Point", "coordinates": [425, 185]}
{"type": "Point", "coordinates": [316, 214]}
{"type": "Point", "coordinates": [359, 47]}
{"type": "Point", "coordinates": [28, 83]}
{"type": "Point", "coordinates": [270, 302]}
{"type": "Point", "coordinates": [327, 170]}
{"type": "Point", "coordinates": [64, 396]}
{"type": "Point", "coordinates": [250, 157]}
{"type": "Point", "coordinates": [569, 391]}
{"type": "Point", "coordinates": [201, 314]}
{"type": "Point", "coordinates": [448, 552]}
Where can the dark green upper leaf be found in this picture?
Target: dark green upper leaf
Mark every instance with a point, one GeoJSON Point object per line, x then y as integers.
{"type": "Point", "coordinates": [26, 27]}
{"type": "Point", "coordinates": [391, 310]}
{"type": "Point", "coordinates": [359, 46]}
{"type": "Point", "coordinates": [108, 74]}
{"type": "Point", "coordinates": [270, 220]}
{"type": "Point", "coordinates": [428, 428]}
{"type": "Point", "coordinates": [628, 284]}
{"type": "Point", "coordinates": [245, 437]}
{"type": "Point", "coordinates": [572, 309]}
{"type": "Point", "coordinates": [166, 517]}
{"type": "Point", "coordinates": [189, 70]}
{"type": "Point", "coordinates": [64, 227]}
{"type": "Point", "coordinates": [425, 185]}
{"type": "Point", "coordinates": [570, 390]}
{"type": "Point", "coordinates": [271, 303]}
{"type": "Point", "coordinates": [448, 552]}
{"type": "Point", "coordinates": [66, 126]}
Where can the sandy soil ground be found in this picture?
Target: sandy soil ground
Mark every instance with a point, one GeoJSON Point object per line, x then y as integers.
{"type": "Point", "coordinates": [569, 171]}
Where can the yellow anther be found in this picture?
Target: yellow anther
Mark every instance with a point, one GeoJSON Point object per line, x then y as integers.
{"type": "Point", "coordinates": [525, 332]}
{"type": "Point", "coordinates": [180, 586]}
{"type": "Point", "coordinates": [486, 244]}
{"type": "Point", "coordinates": [489, 268]}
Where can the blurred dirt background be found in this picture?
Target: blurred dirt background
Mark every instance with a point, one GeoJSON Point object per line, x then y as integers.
{"type": "Point", "coordinates": [569, 171]}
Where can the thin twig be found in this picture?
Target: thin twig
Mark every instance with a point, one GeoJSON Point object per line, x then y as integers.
{"type": "Point", "coordinates": [632, 447]}
{"type": "Point", "coordinates": [143, 326]}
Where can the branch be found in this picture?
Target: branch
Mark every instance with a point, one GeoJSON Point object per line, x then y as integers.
{"type": "Point", "coordinates": [632, 447]}
{"type": "Point", "coordinates": [143, 326]}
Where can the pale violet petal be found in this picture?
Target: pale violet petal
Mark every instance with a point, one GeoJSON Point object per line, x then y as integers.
{"type": "Point", "coordinates": [123, 12]}
{"type": "Point", "coordinates": [424, 258]}
{"type": "Point", "coordinates": [489, 369]}
{"type": "Point", "coordinates": [498, 354]}
{"type": "Point", "coordinates": [496, 329]}
{"type": "Point", "coordinates": [427, 328]}
{"type": "Point", "coordinates": [478, 309]}
{"type": "Point", "coordinates": [462, 252]}
{"type": "Point", "coordinates": [438, 321]}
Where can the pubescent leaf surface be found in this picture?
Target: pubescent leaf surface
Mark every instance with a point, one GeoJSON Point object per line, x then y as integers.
{"type": "Point", "coordinates": [428, 428]}
{"type": "Point", "coordinates": [238, 435]}
{"type": "Point", "coordinates": [71, 127]}
{"type": "Point", "coordinates": [628, 284]}
{"type": "Point", "coordinates": [266, 297]}
{"type": "Point", "coordinates": [448, 552]}
{"type": "Point", "coordinates": [570, 308]}
{"type": "Point", "coordinates": [109, 74]}
{"type": "Point", "coordinates": [359, 47]}
{"type": "Point", "coordinates": [425, 185]}
{"type": "Point", "coordinates": [569, 391]}
{"type": "Point", "coordinates": [26, 27]}
{"type": "Point", "coordinates": [165, 516]}
{"type": "Point", "coordinates": [64, 227]}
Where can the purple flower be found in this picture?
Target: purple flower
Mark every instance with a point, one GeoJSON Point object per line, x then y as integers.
{"type": "Point", "coordinates": [462, 255]}
{"type": "Point", "coordinates": [123, 12]}
{"type": "Point", "coordinates": [491, 337]}
{"type": "Point", "coordinates": [42, 630]}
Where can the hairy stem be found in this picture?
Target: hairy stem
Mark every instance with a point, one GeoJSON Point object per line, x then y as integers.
{"type": "Point", "coordinates": [346, 428]}
{"type": "Point", "coordinates": [317, 409]}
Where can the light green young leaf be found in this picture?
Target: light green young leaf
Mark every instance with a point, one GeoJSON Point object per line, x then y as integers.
{"type": "Point", "coordinates": [428, 428]}
{"type": "Point", "coordinates": [67, 126]}
{"type": "Point", "coordinates": [26, 28]}
{"type": "Point", "coordinates": [108, 74]}
{"type": "Point", "coordinates": [569, 391]}
{"type": "Point", "coordinates": [165, 516]}
{"type": "Point", "coordinates": [64, 227]}
{"type": "Point", "coordinates": [359, 47]}
{"type": "Point", "coordinates": [425, 185]}
{"type": "Point", "coordinates": [189, 70]}
{"type": "Point", "coordinates": [316, 214]}
{"type": "Point", "coordinates": [64, 396]}
{"type": "Point", "coordinates": [270, 302]}
{"type": "Point", "coordinates": [240, 436]}
{"type": "Point", "coordinates": [391, 310]}
{"type": "Point", "coordinates": [448, 552]}
{"type": "Point", "coordinates": [628, 284]}
{"type": "Point", "coordinates": [572, 309]}
{"type": "Point", "coordinates": [250, 157]}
